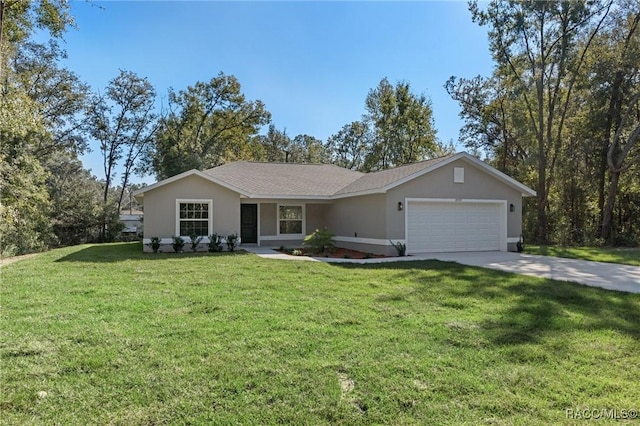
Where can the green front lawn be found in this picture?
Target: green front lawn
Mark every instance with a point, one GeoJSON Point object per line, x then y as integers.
{"type": "Point", "coordinates": [629, 256]}
{"type": "Point", "coordinates": [108, 335]}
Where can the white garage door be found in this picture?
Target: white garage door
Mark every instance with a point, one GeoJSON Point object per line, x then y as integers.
{"type": "Point", "coordinates": [454, 226]}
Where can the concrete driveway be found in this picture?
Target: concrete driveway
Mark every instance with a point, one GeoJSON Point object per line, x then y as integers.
{"type": "Point", "coordinates": [610, 276]}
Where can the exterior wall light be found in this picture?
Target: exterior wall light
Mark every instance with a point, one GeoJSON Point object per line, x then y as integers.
{"type": "Point", "coordinates": [400, 206]}
{"type": "Point", "coordinates": [512, 208]}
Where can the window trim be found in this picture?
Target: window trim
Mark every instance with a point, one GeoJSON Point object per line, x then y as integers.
{"type": "Point", "coordinates": [293, 236]}
{"type": "Point", "coordinates": [208, 201]}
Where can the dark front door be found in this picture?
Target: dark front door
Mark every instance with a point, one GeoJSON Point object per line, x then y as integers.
{"type": "Point", "coordinates": [249, 223]}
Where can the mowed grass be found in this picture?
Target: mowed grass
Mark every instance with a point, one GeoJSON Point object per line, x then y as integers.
{"type": "Point", "coordinates": [629, 256]}
{"type": "Point", "coordinates": [108, 335]}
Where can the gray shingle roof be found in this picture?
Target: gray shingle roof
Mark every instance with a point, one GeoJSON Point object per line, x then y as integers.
{"type": "Point", "coordinates": [309, 180]}
{"type": "Point", "coordinates": [284, 179]}
{"type": "Point", "coordinates": [292, 180]}
{"type": "Point", "coordinates": [379, 180]}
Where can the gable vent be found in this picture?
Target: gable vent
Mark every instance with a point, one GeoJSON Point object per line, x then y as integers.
{"type": "Point", "coordinates": [458, 175]}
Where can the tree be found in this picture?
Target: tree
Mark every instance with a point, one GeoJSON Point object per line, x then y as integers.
{"type": "Point", "coordinates": [537, 51]}
{"type": "Point", "coordinates": [275, 145]}
{"type": "Point", "coordinates": [401, 124]}
{"type": "Point", "coordinates": [24, 201]}
{"type": "Point", "coordinates": [207, 125]}
{"type": "Point", "coordinates": [124, 123]}
{"type": "Point", "coordinates": [493, 122]}
{"type": "Point", "coordinates": [57, 92]}
{"type": "Point", "coordinates": [621, 83]}
{"type": "Point", "coordinates": [40, 114]}
{"type": "Point", "coordinates": [348, 148]}
{"type": "Point", "coordinates": [307, 149]}
{"type": "Point", "coordinates": [76, 201]}
{"type": "Point", "coordinates": [20, 18]}
{"type": "Point", "coordinates": [46, 197]}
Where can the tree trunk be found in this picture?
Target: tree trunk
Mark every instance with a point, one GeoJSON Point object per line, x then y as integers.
{"type": "Point", "coordinates": [3, 5]}
{"type": "Point", "coordinates": [605, 232]}
{"type": "Point", "coordinates": [602, 179]}
{"type": "Point", "coordinates": [542, 161]}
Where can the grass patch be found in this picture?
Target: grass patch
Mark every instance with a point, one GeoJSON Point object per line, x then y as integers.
{"type": "Point", "coordinates": [628, 256]}
{"type": "Point", "coordinates": [104, 334]}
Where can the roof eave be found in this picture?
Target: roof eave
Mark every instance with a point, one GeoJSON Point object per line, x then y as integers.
{"type": "Point", "coordinates": [289, 197]}
{"type": "Point", "coordinates": [358, 193]}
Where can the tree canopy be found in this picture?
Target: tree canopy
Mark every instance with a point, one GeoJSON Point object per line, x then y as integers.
{"type": "Point", "coordinates": [207, 124]}
{"type": "Point", "coordinates": [397, 128]}
{"type": "Point", "coordinates": [560, 112]}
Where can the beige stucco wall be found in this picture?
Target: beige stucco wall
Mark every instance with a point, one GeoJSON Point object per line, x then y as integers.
{"type": "Point", "coordinates": [364, 216]}
{"type": "Point", "coordinates": [315, 217]}
{"type": "Point", "coordinates": [162, 202]}
{"type": "Point", "coordinates": [268, 219]}
{"type": "Point", "coordinates": [439, 184]}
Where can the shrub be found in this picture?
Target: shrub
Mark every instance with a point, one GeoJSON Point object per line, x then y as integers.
{"type": "Point", "coordinates": [215, 243]}
{"type": "Point", "coordinates": [155, 244]}
{"type": "Point", "coordinates": [296, 252]}
{"type": "Point", "coordinates": [320, 241]}
{"type": "Point", "coordinates": [195, 240]}
{"type": "Point", "coordinates": [401, 248]}
{"type": "Point", "coordinates": [178, 244]}
{"type": "Point", "coordinates": [232, 241]}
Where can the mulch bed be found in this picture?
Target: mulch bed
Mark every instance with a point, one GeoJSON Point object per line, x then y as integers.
{"type": "Point", "coordinates": [338, 253]}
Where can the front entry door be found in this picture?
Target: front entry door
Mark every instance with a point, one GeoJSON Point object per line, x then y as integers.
{"type": "Point", "coordinates": [249, 223]}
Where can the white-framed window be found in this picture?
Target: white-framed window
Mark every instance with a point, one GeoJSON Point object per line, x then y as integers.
{"type": "Point", "coordinates": [291, 219]}
{"type": "Point", "coordinates": [194, 217]}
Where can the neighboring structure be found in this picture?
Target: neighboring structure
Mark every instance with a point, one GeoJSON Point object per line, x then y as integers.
{"type": "Point", "coordinates": [132, 221]}
{"type": "Point", "coordinates": [452, 203]}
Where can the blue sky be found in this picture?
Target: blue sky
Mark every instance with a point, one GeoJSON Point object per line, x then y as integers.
{"type": "Point", "coordinates": [311, 63]}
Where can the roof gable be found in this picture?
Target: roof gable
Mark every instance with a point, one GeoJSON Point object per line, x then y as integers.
{"type": "Point", "coordinates": [384, 180]}
{"type": "Point", "coordinates": [140, 192]}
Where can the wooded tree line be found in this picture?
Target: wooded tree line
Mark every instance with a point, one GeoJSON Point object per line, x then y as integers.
{"type": "Point", "coordinates": [560, 113]}
{"type": "Point", "coordinates": [48, 116]}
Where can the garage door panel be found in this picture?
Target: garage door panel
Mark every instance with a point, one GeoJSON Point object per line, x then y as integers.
{"type": "Point", "coordinates": [448, 226]}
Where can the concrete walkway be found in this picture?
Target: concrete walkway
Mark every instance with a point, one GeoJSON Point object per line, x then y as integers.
{"type": "Point", "coordinates": [610, 276]}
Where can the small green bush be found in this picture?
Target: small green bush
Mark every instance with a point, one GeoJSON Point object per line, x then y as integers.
{"type": "Point", "coordinates": [178, 244]}
{"type": "Point", "coordinates": [401, 248]}
{"type": "Point", "coordinates": [232, 241]}
{"type": "Point", "coordinates": [155, 244]}
{"type": "Point", "coordinates": [195, 240]}
{"type": "Point", "coordinates": [320, 241]}
{"type": "Point", "coordinates": [296, 252]}
{"type": "Point", "coordinates": [215, 243]}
